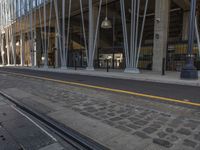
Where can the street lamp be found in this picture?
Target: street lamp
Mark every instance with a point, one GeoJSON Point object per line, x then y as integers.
{"type": "Point", "coordinates": [106, 24]}
{"type": "Point", "coordinates": [189, 71]}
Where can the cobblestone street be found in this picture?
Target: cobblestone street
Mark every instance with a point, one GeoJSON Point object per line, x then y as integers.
{"type": "Point", "coordinates": [153, 124]}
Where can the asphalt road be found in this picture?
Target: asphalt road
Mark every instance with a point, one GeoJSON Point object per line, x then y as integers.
{"type": "Point", "coordinates": [180, 92]}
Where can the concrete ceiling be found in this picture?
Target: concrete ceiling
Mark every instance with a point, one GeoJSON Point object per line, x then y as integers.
{"type": "Point", "coordinates": [184, 4]}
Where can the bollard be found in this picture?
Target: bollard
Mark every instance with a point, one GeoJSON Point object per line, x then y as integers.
{"type": "Point", "coordinates": [38, 64]}
{"type": "Point", "coordinates": [163, 66]}
{"type": "Point", "coordinates": [75, 67]}
{"type": "Point", "coordinates": [107, 65]}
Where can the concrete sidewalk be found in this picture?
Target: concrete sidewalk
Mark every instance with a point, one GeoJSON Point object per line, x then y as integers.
{"type": "Point", "coordinates": [169, 78]}
{"type": "Point", "coordinates": [17, 132]}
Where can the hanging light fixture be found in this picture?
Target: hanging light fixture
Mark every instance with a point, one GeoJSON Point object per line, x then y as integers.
{"type": "Point", "coordinates": [106, 24]}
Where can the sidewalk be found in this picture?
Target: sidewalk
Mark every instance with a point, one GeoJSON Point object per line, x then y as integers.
{"type": "Point", "coordinates": [169, 78]}
{"type": "Point", "coordinates": [17, 132]}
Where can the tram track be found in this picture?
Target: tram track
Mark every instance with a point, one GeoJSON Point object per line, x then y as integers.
{"type": "Point", "coordinates": [72, 137]}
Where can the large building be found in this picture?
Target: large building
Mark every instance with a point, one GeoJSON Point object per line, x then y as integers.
{"type": "Point", "coordinates": [124, 34]}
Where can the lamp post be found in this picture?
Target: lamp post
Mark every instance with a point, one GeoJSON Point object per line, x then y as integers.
{"type": "Point", "coordinates": [189, 71]}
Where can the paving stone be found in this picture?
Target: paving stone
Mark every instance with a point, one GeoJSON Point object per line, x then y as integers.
{"type": "Point", "coordinates": [163, 119]}
{"type": "Point", "coordinates": [141, 135]}
{"type": "Point", "coordinates": [85, 113]}
{"type": "Point", "coordinates": [139, 116]}
{"type": "Point", "coordinates": [103, 116]}
{"type": "Point", "coordinates": [189, 143]}
{"type": "Point", "coordinates": [176, 123]}
{"type": "Point", "coordinates": [133, 119]}
{"type": "Point", "coordinates": [148, 118]}
{"type": "Point", "coordinates": [165, 115]}
{"type": "Point", "coordinates": [116, 119]}
{"type": "Point", "coordinates": [125, 115]}
{"type": "Point", "coordinates": [109, 122]}
{"type": "Point", "coordinates": [149, 130]}
{"type": "Point", "coordinates": [141, 122]}
{"type": "Point", "coordinates": [169, 130]}
{"type": "Point", "coordinates": [91, 109]}
{"type": "Point", "coordinates": [123, 128]}
{"type": "Point", "coordinates": [100, 113]}
{"type": "Point", "coordinates": [111, 114]}
{"type": "Point", "coordinates": [163, 143]}
{"type": "Point", "coordinates": [144, 113]}
{"type": "Point", "coordinates": [173, 138]}
{"type": "Point", "coordinates": [121, 111]}
{"type": "Point", "coordinates": [184, 131]}
{"type": "Point", "coordinates": [197, 137]}
{"type": "Point", "coordinates": [194, 121]}
{"type": "Point", "coordinates": [161, 134]}
{"type": "Point", "coordinates": [198, 147]}
{"type": "Point", "coordinates": [155, 125]}
{"type": "Point", "coordinates": [123, 122]}
{"type": "Point", "coordinates": [133, 126]}
{"type": "Point", "coordinates": [159, 122]}
{"type": "Point", "coordinates": [191, 125]}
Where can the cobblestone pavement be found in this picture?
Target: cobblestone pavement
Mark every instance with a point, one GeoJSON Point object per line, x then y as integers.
{"type": "Point", "coordinates": [169, 126]}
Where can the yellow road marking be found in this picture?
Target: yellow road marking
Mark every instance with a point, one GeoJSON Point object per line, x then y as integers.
{"type": "Point", "coordinates": [108, 89]}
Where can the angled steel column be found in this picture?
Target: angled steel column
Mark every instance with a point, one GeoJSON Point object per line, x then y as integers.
{"type": "Point", "coordinates": [91, 35]}
{"type": "Point", "coordinates": [31, 36]}
{"type": "Point", "coordinates": [13, 43]}
{"type": "Point", "coordinates": [84, 32]}
{"type": "Point", "coordinates": [8, 46]}
{"type": "Point", "coordinates": [125, 35]}
{"type": "Point", "coordinates": [2, 50]}
{"type": "Point", "coordinates": [68, 31]}
{"type": "Point", "coordinates": [141, 33]}
{"type": "Point", "coordinates": [45, 36]}
{"type": "Point", "coordinates": [22, 55]}
{"type": "Point", "coordinates": [197, 35]}
{"type": "Point", "coordinates": [63, 36]}
{"type": "Point", "coordinates": [189, 71]}
{"type": "Point", "coordinates": [58, 31]}
{"type": "Point", "coordinates": [133, 32]}
{"type": "Point", "coordinates": [96, 31]}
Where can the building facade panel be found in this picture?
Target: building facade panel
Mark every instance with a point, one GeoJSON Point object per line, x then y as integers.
{"type": "Point", "coordinates": [64, 33]}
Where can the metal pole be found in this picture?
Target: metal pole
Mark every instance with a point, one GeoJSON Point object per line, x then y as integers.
{"type": "Point", "coordinates": [141, 34]}
{"type": "Point", "coordinates": [189, 71]}
{"type": "Point", "coordinates": [45, 36]}
{"type": "Point", "coordinates": [197, 35]}
{"type": "Point", "coordinates": [191, 31]}
{"type": "Point", "coordinates": [91, 34]}
{"type": "Point", "coordinates": [63, 34]}
{"type": "Point", "coordinates": [84, 32]}
{"type": "Point", "coordinates": [125, 35]}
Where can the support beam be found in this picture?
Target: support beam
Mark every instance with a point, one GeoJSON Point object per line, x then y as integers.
{"type": "Point", "coordinates": [184, 4]}
{"type": "Point", "coordinates": [161, 27]}
{"type": "Point", "coordinates": [8, 47]}
{"type": "Point", "coordinates": [22, 48]}
{"type": "Point", "coordinates": [2, 50]}
{"type": "Point", "coordinates": [94, 19]}
{"type": "Point", "coordinates": [186, 15]}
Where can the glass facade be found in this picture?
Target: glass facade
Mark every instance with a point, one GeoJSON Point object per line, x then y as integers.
{"type": "Point", "coordinates": [57, 38]}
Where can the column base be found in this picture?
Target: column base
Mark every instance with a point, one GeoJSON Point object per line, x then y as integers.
{"type": "Point", "coordinates": [90, 68]}
{"type": "Point", "coordinates": [45, 67]}
{"type": "Point", "coordinates": [132, 70]}
{"type": "Point", "coordinates": [63, 68]}
{"type": "Point", "coordinates": [189, 72]}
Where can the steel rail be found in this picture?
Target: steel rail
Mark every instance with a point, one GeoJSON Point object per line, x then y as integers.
{"type": "Point", "coordinates": [74, 138]}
